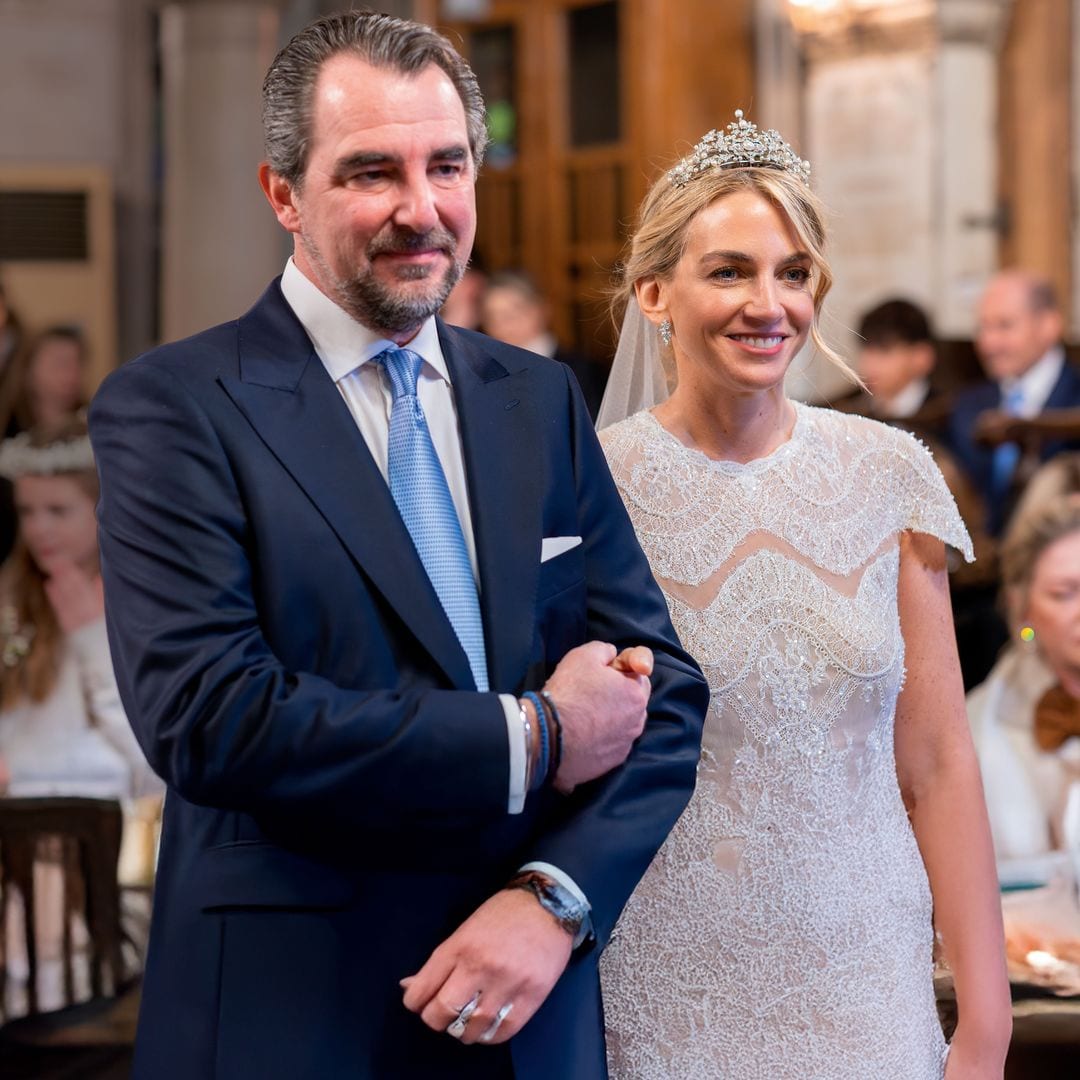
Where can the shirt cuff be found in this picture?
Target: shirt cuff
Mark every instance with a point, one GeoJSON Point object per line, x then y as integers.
{"type": "Point", "coordinates": [571, 886]}
{"type": "Point", "coordinates": [515, 734]}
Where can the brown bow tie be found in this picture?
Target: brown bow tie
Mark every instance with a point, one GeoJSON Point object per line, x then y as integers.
{"type": "Point", "coordinates": [1057, 718]}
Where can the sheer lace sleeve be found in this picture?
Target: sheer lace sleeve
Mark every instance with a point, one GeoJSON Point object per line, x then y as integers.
{"type": "Point", "coordinates": [923, 499]}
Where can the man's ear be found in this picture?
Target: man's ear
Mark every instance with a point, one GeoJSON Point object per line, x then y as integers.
{"type": "Point", "coordinates": [651, 299]}
{"type": "Point", "coordinates": [281, 195]}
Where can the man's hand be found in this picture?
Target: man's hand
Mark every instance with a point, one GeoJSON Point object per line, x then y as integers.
{"type": "Point", "coordinates": [510, 951]}
{"type": "Point", "coordinates": [602, 699]}
{"type": "Point", "coordinates": [77, 597]}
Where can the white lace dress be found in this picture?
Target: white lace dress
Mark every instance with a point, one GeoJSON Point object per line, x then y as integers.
{"type": "Point", "coordinates": [784, 929]}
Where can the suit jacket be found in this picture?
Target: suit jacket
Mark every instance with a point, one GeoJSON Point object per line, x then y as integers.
{"type": "Point", "coordinates": [337, 787]}
{"type": "Point", "coordinates": [976, 458]}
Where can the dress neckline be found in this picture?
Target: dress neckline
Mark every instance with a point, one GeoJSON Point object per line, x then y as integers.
{"type": "Point", "coordinates": [756, 465]}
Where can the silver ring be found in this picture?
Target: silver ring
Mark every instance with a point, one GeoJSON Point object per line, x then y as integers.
{"type": "Point", "coordinates": [500, 1016]}
{"type": "Point", "coordinates": [456, 1027]}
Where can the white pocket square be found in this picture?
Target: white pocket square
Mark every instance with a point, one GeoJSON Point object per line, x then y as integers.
{"type": "Point", "coordinates": [551, 546]}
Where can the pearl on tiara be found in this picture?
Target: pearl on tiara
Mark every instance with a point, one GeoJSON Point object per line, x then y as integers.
{"type": "Point", "coordinates": [741, 144]}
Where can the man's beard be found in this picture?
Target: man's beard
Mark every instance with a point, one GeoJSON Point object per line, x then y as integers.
{"type": "Point", "coordinates": [375, 304]}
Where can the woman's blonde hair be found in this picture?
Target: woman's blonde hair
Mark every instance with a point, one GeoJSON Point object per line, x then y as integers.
{"type": "Point", "coordinates": [1028, 538]}
{"type": "Point", "coordinates": [30, 636]}
{"type": "Point", "coordinates": [663, 224]}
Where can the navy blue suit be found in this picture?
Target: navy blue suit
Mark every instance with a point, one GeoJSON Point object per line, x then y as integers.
{"type": "Point", "coordinates": [976, 458]}
{"type": "Point", "coordinates": [337, 787]}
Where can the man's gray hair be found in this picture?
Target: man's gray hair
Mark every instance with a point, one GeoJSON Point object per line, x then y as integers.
{"type": "Point", "coordinates": [382, 41]}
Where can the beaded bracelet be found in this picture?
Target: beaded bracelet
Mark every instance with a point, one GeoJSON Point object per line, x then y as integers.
{"type": "Point", "coordinates": [556, 722]}
{"type": "Point", "coordinates": [545, 740]}
{"type": "Point", "coordinates": [530, 761]}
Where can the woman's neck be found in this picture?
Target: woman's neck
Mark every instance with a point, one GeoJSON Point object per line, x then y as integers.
{"type": "Point", "coordinates": [729, 427]}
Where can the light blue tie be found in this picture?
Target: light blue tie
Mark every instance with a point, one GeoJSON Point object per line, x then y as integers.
{"type": "Point", "coordinates": [418, 486]}
{"type": "Point", "coordinates": [1007, 455]}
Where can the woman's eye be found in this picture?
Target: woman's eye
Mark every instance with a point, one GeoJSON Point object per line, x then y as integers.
{"type": "Point", "coordinates": [797, 275]}
{"type": "Point", "coordinates": [725, 273]}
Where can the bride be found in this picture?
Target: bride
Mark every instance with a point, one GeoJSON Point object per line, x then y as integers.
{"type": "Point", "coordinates": [786, 929]}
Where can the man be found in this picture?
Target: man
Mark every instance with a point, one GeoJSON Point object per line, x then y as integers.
{"type": "Point", "coordinates": [1018, 340]}
{"type": "Point", "coordinates": [311, 588]}
{"type": "Point", "coordinates": [514, 310]}
{"type": "Point", "coordinates": [896, 359]}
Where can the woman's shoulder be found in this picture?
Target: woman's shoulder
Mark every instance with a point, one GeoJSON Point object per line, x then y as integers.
{"type": "Point", "coordinates": [628, 439]}
{"type": "Point", "coordinates": [860, 434]}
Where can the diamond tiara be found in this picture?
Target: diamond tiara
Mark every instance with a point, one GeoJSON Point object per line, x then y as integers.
{"type": "Point", "coordinates": [742, 143]}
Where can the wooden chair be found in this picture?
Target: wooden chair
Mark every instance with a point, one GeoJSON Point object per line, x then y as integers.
{"type": "Point", "coordinates": [84, 835]}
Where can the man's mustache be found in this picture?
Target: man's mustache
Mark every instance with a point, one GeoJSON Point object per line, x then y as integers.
{"type": "Point", "coordinates": [406, 241]}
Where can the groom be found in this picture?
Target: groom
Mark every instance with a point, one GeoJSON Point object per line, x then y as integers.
{"type": "Point", "coordinates": [342, 544]}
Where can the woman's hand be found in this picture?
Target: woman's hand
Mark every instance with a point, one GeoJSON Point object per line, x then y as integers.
{"type": "Point", "coordinates": [77, 598]}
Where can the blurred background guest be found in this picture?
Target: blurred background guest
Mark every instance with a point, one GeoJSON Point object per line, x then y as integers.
{"type": "Point", "coordinates": [514, 310]}
{"type": "Point", "coordinates": [53, 381]}
{"type": "Point", "coordinates": [897, 355]}
{"type": "Point", "coordinates": [1019, 343]}
{"type": "Point", "coordinates": [1026, 716]}
{"type": "Point", "coordinates": [63, 731]}
{"type": "Point", "coordinates": [11, 341]}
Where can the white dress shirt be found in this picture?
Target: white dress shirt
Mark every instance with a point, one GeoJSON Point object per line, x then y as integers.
{"type": "Point", "coordinates": [905, 404]}
{"type": "Point", "coordinates": [1036, 384]}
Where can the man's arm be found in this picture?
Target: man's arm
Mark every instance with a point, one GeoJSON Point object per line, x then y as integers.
{"type": "Point", "coordinates": [610, 829]}
{"type": "Point", "coordinates": [218, 715]}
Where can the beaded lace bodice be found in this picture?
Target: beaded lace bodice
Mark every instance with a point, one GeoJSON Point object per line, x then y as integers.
{"type": "Point", "coordinates": [784, 930]}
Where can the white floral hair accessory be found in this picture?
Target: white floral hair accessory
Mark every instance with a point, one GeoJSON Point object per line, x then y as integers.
{"type": "Point", "coordinates": [19, 458]}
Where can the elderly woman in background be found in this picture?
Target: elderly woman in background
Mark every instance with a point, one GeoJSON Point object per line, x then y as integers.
{"type": "Point", "coordinates": [1026, 716]}
{"type": "Point", "coordinates": [63, 731]}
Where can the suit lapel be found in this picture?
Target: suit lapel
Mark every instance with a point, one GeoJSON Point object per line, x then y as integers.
{"type": "Point", "coordinates": [498, 424]}
{"type": "Point", "coordinates": [295, 408]}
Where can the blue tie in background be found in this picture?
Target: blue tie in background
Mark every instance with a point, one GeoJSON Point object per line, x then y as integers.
{"type": "Point", "coordinates": [418, 486]}
{"type": "Point", "coordinates": [1007, 455]}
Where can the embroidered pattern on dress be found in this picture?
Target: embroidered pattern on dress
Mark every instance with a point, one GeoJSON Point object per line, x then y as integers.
{"type": "Point", "coordinates": [784, 929]}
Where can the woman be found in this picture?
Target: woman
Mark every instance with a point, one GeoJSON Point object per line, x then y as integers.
{"type": "Point", "coordinates": [785, 929]}
{"type": "Point", "coordinates": [63, 731]}
{"type": "Point", "coordinates": [1026, 717]}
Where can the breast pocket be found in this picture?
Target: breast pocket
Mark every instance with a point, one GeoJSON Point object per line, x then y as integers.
{"type": "Point", "coordinates": [561, 607]}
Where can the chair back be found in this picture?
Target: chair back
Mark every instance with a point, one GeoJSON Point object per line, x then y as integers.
{"type": "Point", "coordinates": [84, 836]}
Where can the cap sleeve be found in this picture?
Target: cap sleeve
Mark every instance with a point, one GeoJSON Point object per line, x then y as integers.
{"type": "Point", "coordinates": [924, 502]}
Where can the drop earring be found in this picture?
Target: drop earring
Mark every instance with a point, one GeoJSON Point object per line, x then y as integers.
{"type": "Point", "coordinates": [664, 330]}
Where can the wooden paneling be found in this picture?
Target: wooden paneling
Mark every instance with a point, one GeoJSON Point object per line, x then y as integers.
{"type": "Point", "coordinates": [1035, 138]}
{"type": "Point", "coordinates": [563, 212]}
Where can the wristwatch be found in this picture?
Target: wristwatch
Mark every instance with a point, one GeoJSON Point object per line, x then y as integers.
{"type": "Point", "coordinates": [567, 910]}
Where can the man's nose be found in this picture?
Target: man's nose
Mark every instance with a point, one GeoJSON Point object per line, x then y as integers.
{"type": "Point", "coordinates": [416, 207]}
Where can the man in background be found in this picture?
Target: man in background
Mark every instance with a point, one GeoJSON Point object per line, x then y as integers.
{"type": "Point", "coordinates": [514, 310]}
{"type": "Point", "coordinates": [1018, 340]}
{"type": "Point", "coordinates": [897, 356]}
